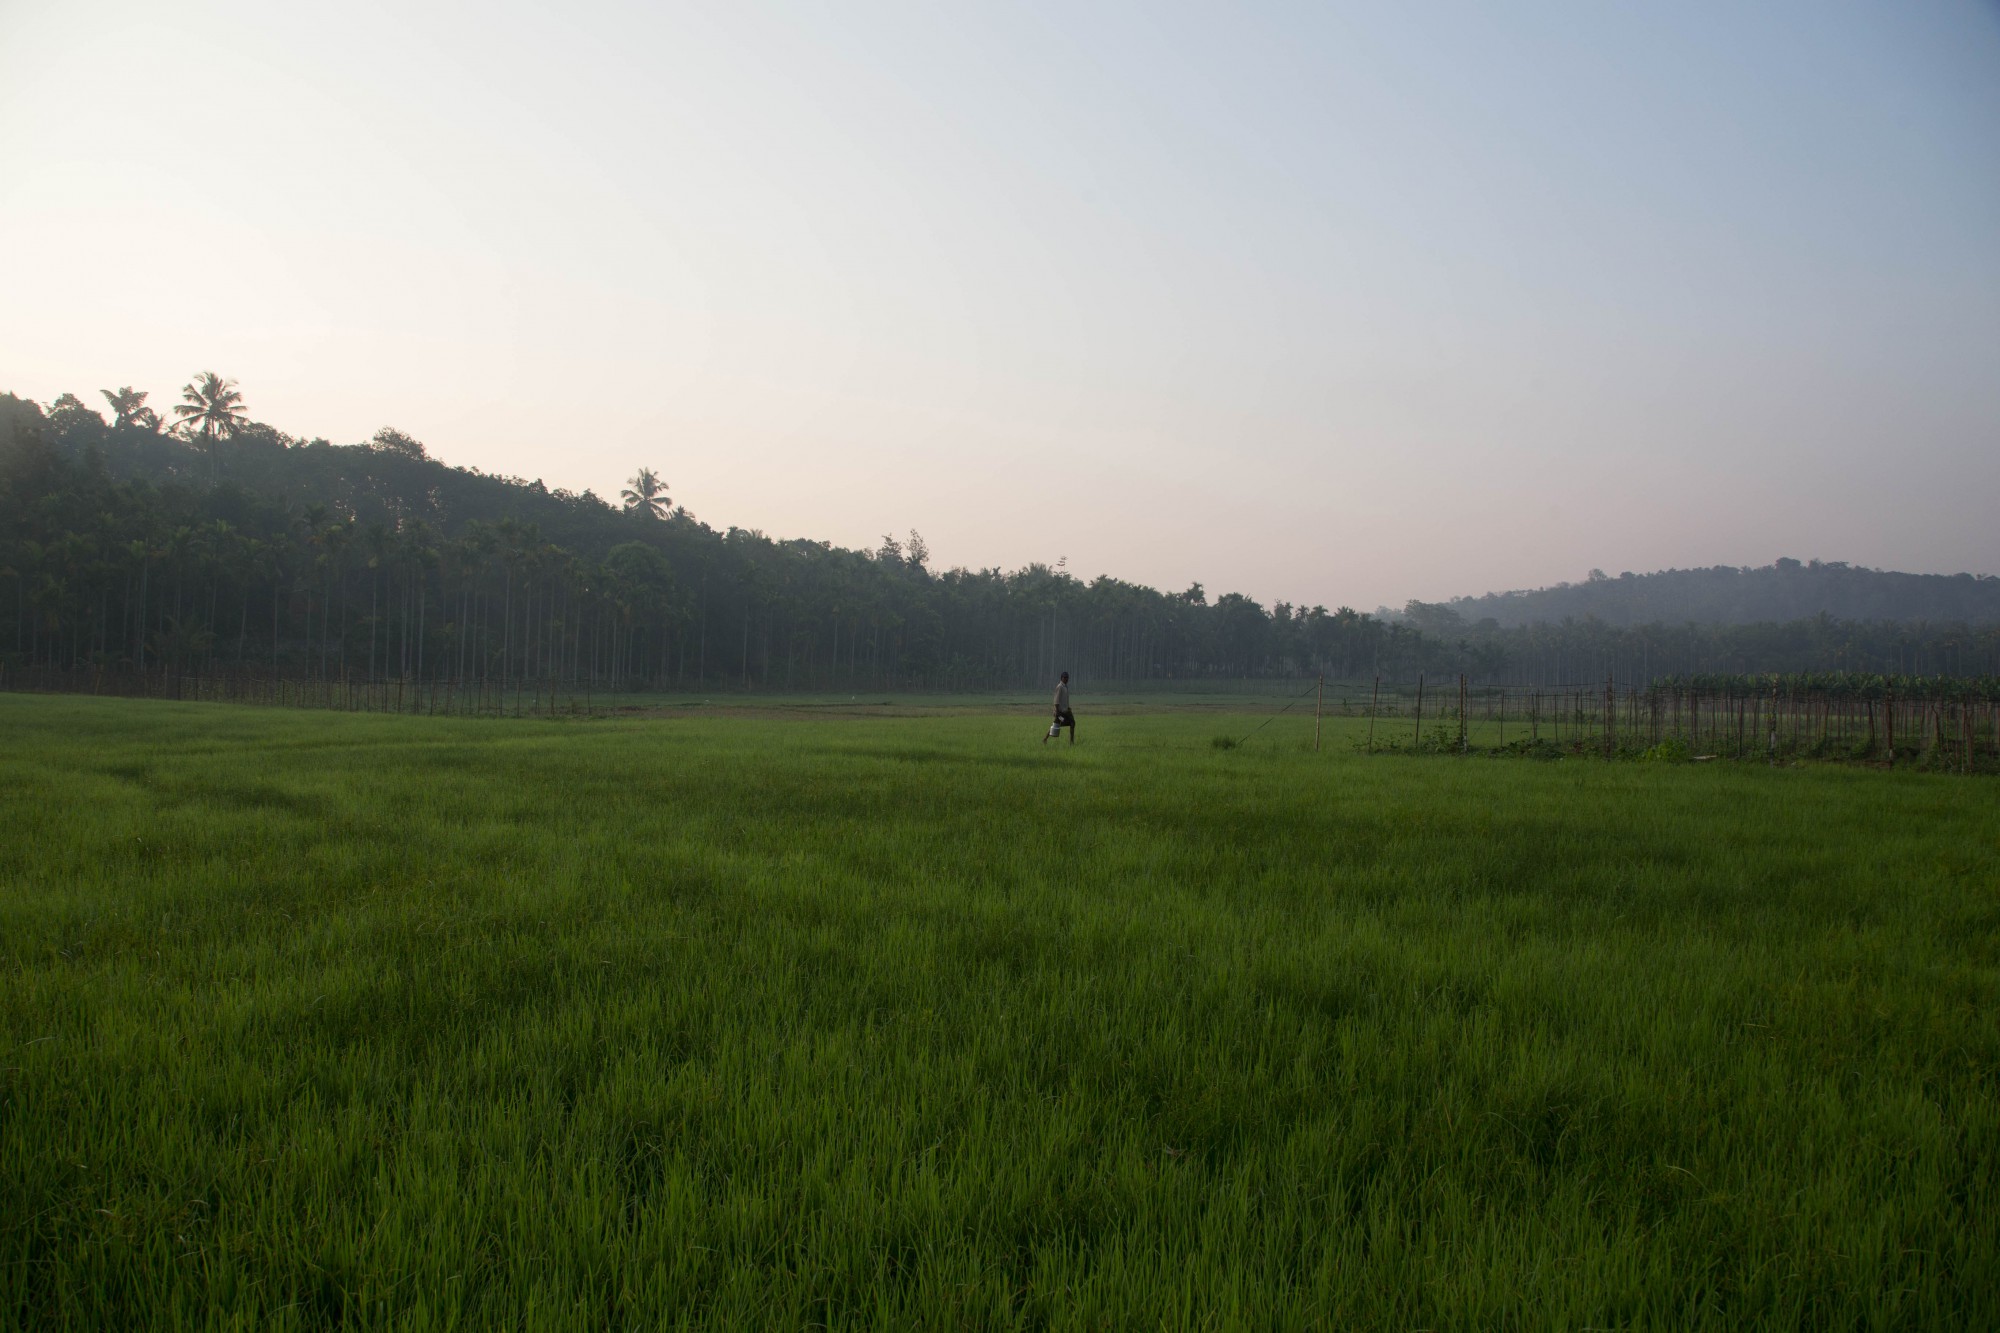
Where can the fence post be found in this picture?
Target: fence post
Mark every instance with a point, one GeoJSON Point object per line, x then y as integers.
{"type": "Point", "coordinates": [1462, 746]}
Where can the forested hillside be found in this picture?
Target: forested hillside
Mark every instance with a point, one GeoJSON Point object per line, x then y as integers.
{"type": "Point", "coordinates": [224, 545]}
{"type": "Point", "coordinates": [1726, 595]}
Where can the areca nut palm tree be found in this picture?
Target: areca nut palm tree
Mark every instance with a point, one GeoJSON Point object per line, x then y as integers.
{"type": "Point", "coordinates": [648, 494]}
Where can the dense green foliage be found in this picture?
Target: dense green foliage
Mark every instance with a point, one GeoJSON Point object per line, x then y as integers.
{"type": "Point", "coordinates": [240, 549]}
{"type": "Point", "coordinates": [1785, 590]}
{"type": "Point", "coordinates": [316, 1019]}
{"type": "Point", "coordinates": [132, 548]}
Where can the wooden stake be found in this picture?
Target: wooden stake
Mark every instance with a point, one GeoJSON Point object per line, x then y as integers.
{"type": "Point", "coordinates": [1319, 698]}
{"type": "Point", "coordinates": [1462, 745]}
{"type": "Point", "coordinates": [1373, 695]}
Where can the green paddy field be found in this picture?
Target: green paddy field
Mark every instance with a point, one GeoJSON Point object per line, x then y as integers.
{"type": "Point", "coordinates": [837, 1014]}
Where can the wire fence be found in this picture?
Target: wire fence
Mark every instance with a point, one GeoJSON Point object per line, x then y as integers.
{"type": "Point", "coordinates": [1937, 722]}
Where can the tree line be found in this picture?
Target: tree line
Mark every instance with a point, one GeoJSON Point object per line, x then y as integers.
{"type": "Point", "coordinates": [1785, 590]}
{"type": "Point", "coordinates": [213, 543]}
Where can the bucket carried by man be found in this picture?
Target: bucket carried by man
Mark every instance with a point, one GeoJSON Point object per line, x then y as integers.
{"type": "Point", "coordinates": [1064, 718]}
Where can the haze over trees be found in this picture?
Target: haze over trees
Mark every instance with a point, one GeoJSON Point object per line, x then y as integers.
{"type": "Point", "coordinates": [1726, 595]}
{"type": "Point", "coordinates": [223, 544]}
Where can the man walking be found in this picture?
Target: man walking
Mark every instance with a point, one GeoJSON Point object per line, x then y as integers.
{"type": "Point", "coordinates": [1064, 718]}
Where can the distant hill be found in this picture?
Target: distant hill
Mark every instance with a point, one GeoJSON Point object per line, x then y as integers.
{"type": "Point", "coordinates": [1726, 595]}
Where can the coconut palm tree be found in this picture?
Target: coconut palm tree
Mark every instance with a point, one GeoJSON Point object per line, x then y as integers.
{"type": "Point", "coordinates": [210, 409]}
{"type": "Point", "coordinates": [128, 407]}
{"type": "Point", "coordinates": [648, 494]}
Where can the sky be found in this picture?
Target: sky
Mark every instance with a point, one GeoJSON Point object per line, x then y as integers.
{"type": "Point", "coordinates": [1332, 304]}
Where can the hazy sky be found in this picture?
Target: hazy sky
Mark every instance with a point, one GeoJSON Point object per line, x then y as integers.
{"type": "Point", "coordinates": [1338, 304]}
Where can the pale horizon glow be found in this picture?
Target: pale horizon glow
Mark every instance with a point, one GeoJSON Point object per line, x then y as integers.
{"type": "Point", "coordinates": [1325, 304]}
